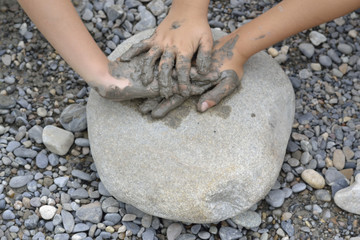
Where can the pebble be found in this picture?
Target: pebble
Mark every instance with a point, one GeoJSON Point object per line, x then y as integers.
{"type": "Point", "coordinates": [288, 227]}
{"type": "Point", "coordinates": [299, 187]}
{"type": "Point", "coordinates": [47, 212]}
{"type": "Point", "coordinates": [229, 233]}
{"type": "Point", "coordinates": [6, 59]}
{"type": "Point", "coordinates": [317, 38]}
{"type": "Point", "coordinates": [173, 231]}
{"type": "Point", "coordinates": [42, 160]}
{"type": "Point", "coordinates": [57, 140]}
{"type": "Point", "coordinates": [6, 102]}
{"type": "Point", "coordinates": [313, 178]}
{"type": "Point", "coordinates": [73, 118]}
{"type": "Point", "coordinates": [20, 181]}
{"type": "Point", "coordinates": [68, 221]}
{"type": "Point", "coordinates": [8, 215]}
{"type": "Point", "coordinates": [315, 66]}
{"type": "Point", "coordinates": [156, 7]}
{"type": "Point", "coordinates": [147, 20]}
{"type": "Point", "coordinates": [273, 52]}
{"type": "Point", "coordinates": [146, 221]}
{"type": "Point", "coordinates": [248, 219]}
{"type": "Point", "coordinates": [61, 181]}
{"type": "Point", "coordinates": [87, 15]}
{"type": "Point", "coordinates": [81, 175]}
{"type": "Point", "coordinates": [325, 61]}
{"type": "Point", "coordinates": [129, 217]}
{"type": "Point", "coordinates": [275, 198]}
{"type": "Point", "coordinates": [90, 212]}
{"type": "Point", "coordinates": [307, 49]}
{"type": "Point", "coordinates": [35, 133]}
{"type": "Point", "coordinates": [345, 48]}
{"type": "Point", "coordinates": [186, 236]}
{"type": "Point", "coordinates": [339, 159]}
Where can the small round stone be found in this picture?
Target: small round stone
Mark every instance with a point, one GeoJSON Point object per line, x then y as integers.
{"type": "Point", "coordinates": [313, 178]}
{"type": "Point", "coordinates": [47, 212]}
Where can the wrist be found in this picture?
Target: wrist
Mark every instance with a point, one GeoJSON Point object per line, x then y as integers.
{"type": "Point", "coordinates": [194, 8]}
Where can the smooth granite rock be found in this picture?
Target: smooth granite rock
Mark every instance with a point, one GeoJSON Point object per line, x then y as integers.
{"type": "Point", "coordinates": [195, 167]}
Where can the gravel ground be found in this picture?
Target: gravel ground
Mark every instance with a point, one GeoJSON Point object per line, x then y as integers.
{"type": "Point", "coordinates": [43, 195]}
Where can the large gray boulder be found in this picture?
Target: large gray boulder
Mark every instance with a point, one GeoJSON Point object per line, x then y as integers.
{"type": "Point", "coordinates": [195, 167]}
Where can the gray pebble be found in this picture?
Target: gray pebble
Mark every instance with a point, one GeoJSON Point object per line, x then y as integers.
{"type": "Point", "coordinates": [275, 198]}
{"type": "Point", "coordinates": [149, 234]}
{"type": "Point", "coordinates": [228, 233]}
{"type": "Point", "coordinates": [132, 227]}
{"type": "Point", "coordinates": [87, 15]}
{"type": "Point", "coordinates": [12, 146]}
{"type": "Point", "coordinates": [81, 175]}
{"type": "Point", "coordinates": [6, 59]}
{"type": "Point", "coordinates": [156, 7]}
{"type": "Point", "coordinates": [68, 221]}
{"type": "Point", "coordinates": [8, 215]}
{"type": "Point", "coordinates": [195, 229]}
{"type": "Point", "coordinates": [6, 102]}
{"type": "Point", "coordinates": [35, 133]}
{"type": "Point", "coordinates": [325, 61]}
{"type": "Point", "coordinates": [61, 181]}
{"type": "Point", "coordinates": [299, 187]}
{"type": "Point", "coordinates": [25, 153]}
{"type": "Point", "coordinates": [53, 159]}
{"type": "Point", "coordinates": [79, 193]}
{"type": "Point", "coordinates": [42, 160]}
{"type": "Point", "coordinates": [73, 118]}
{"type": "Point", "coordinates": [186, 236]}
{"type": "Point", "coordinates": [345, 48]}
{"type": "Point", "coordinates": [147, 20]}
{"type": "Point", "coordinates": [91, 212]}
{"type": "Point", "coordinates": [82, 142]}
{"type": "Point", "coordinates": [204, 235]}
{"type": "Point", "coordinates": [317, 38]}
{"type": "Point", "coordinates": [20, 181]}
{"type": "Point", "coordinates": [80, 227]}
{"type": "Point", "coordinates": [288, 228]}
{"type": "Point", "coordinates": [35, 202]}
{"type": "Point", "coordinates": [31, 222]}
{"type": "Point", "coordinates": [307, 49]}
{"type": "Point", "coordinates": [32, 186]}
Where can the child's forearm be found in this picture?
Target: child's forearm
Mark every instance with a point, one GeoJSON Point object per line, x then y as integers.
{"type": "Point", "coordinates": [286, 19]}
{"type": "Point", "coordinates": [59, 22]}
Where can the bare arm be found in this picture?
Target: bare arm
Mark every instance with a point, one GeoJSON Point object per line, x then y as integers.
{"type": "Point", "coordinates": [285, 19]}
{"type": "Point", "coordinates": [59, 22]}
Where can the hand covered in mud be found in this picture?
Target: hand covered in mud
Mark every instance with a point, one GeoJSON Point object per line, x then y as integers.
{"type": "Point", "coordinates": [178, 37]}
{"type": "Point", "coordinates": [225, 74]}
{"type": "Point", "coordinates": [125, 84]}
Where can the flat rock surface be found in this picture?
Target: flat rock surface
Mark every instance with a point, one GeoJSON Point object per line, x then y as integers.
{"type": "Point", "coordinates": [196, 167]}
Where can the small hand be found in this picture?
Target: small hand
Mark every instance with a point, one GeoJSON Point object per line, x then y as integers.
{"type": "Point", "coordinates": [175, 41]}
{"type": "Point", "coordinates": [226, 72]}
{"type": "Point", "coordinates": [224, 77]}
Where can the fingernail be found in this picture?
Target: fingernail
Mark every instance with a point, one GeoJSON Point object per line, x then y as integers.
{"type": "Point", "coordinates": [204, 106]}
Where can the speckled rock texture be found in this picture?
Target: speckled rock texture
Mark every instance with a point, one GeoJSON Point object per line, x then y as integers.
{"type": "Point", "coordinates": [195, 167]}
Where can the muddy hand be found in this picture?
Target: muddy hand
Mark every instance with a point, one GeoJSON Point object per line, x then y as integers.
{"type": "Point", "coordinates": [225, 74]}
{"type": "Point", "coordinates": [174, 43]}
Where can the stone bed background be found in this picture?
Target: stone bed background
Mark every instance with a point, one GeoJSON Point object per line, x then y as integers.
{"type": "Point", "coordinates": [43, 195]}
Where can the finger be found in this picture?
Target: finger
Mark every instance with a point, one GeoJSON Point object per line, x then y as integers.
{"type": "Point", "coordinates": [149, 104]}
{"type": "Point", "coordinates": [228, 83]}
{"type": "Point", "coordinates": [167, 105]}
{"type": "Point", "coordinates": [135, 50]}
{"type": "Point", "coordinates": [183, 65]}
{"type": "Point", "coordinates": [147, 72]}
{"type": "Point", "coordinates": [166, 65]}
{"type": "Point", "coordinates": [198, 90]}
{"type": "Point", "coordinates": [203, 58]}
{"type": "Point", "coordinates": [210, 77]}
